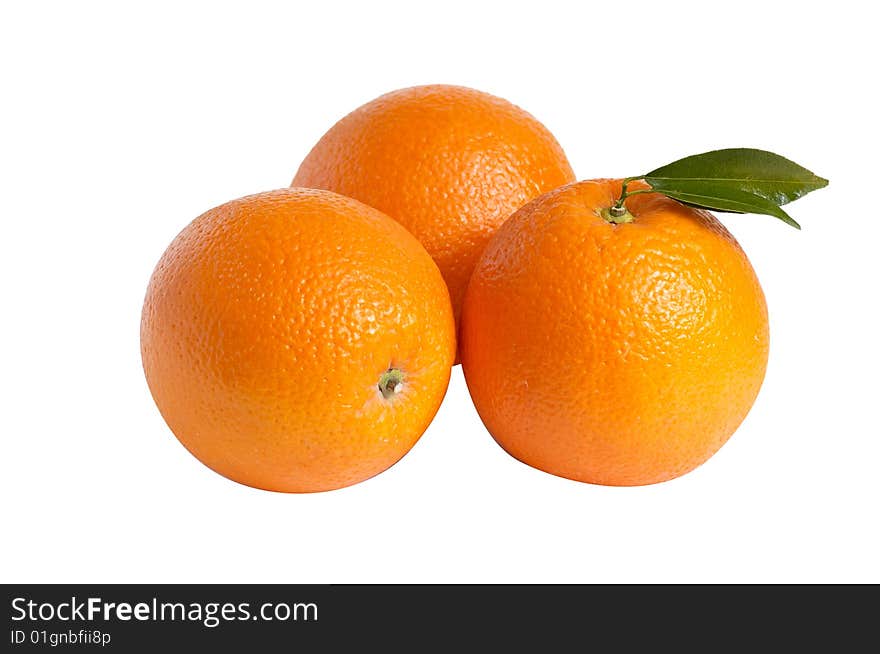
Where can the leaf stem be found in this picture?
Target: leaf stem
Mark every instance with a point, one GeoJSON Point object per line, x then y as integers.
{"type": "Point", "coordinates": [618, 206]}
{"type": "Point", "coordinates": [642, 190]}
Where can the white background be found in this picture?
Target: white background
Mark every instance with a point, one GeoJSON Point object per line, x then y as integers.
{"type": "Point", "coordinates": [121, 124]}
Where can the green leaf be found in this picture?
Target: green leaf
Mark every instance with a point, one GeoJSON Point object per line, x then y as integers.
{"type": "Point", "coordinates": [747, 170]}
{"type": "Point", "coordinates": [729, 200]}
{"type": "Point", "coordinates": [739, 180]}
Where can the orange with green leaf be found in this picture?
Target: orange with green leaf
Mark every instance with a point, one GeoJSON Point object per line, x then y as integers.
{"type": "Point", "coordinates": [613, 331]}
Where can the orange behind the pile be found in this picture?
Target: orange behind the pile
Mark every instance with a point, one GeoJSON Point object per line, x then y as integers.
{"type": "Point", "coordinates": [449, 163]}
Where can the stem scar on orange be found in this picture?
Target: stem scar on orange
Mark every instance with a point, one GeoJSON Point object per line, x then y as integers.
{"type": "Point", "coordinates": [297, 340]}
{"type": "Point", "coordinates": [618, 354]}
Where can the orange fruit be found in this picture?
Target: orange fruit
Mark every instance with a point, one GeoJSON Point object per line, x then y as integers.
{"type": "Point", "coordinates": [617, 354]}
{"type": "Point", "coordinates": [297, 340]}
{"type": "Point", "coordinates": [447, 162]}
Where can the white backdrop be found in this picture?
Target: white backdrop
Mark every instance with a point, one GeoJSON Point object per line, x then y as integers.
{"type": "Point", "coordinates": [121, 124]}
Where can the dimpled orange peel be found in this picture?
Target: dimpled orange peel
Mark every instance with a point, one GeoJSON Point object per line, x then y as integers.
{"type": "Point", "coordinates": [613, 353]}
{"type": "Point", "coordinates": [297, 340]}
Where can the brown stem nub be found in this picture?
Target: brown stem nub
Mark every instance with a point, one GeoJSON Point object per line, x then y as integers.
{"type": "Point", "coordinates": [391, 383]}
